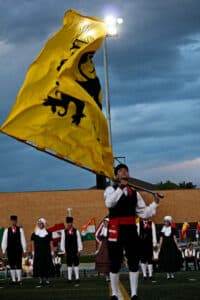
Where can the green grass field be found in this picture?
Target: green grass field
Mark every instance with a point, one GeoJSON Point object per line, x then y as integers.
{"type": "Point", "coordinates": [185, 286]}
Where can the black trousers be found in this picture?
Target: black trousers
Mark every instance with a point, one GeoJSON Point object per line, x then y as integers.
{"type": "Point", "coordinates": [14, 259]}
{"type": "Point", "coordinates": [190, 260]}
{"type": "Point", "coordinates": [57, 270]}
{"type": "Point", "coordinates": [198, 264]}
{"type": "Point", "coordinates": [72, 259]}
{"type": "Point", "coordinates": [146, 252]}
{"type": "Point", "coordinates": [128, 244]}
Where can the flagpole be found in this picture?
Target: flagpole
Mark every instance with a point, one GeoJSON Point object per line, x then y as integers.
{"type": "Point", "coordinates": [100, 179]}
{"type": "Point", "coordinates": [107, 91]}
{"type": "Point", "coordinates": [112, 31]}
{"type": "Point", "coordinates": [112, 24]}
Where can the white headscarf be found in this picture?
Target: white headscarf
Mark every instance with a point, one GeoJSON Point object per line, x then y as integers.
{"type": "Point", "coordinates": [41, 232]}
{"type": "Point", "coordinates": [167, 229]}
{"type": "Point", "coordinates": [168, 218]}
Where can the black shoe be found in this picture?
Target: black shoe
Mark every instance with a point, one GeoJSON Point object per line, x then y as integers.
{"type": "Point", "coordinates": [13, 283]}
{"type": "Point", "coordinates": [69, 281]}
{"type": "Point", "coordinates": [134, 298]}
{"type": "Point", "coordinates": [113, 297]}
{"type": "Point", "coordinates": [145, 278]}
{"type": "Point", "coordinates": [19, 283]}
{"type": "Point", "coordinates": [77, 282]}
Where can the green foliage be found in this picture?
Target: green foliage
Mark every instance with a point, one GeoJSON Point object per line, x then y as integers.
{"type": "Point", "coordinates": [169, 185]}
{"type": "Point", "coordinates": [87, 258]}
{"type": "Point", "coordinates": [186, 185]}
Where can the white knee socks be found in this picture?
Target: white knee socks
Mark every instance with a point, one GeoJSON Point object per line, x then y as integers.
{"type": "Point", "coordinates": [69, 273]}
{"type": "Point", "coordinates": [150, 270]}
{"type": "Point", "coordinates": [114, 280]}
{"type": "Point", "coordinates": [76, 271]}
{"type": "Point", "coordinates": [144, 269]}
{"type": "Point", "coordinates": [12, 274]}
{"type": "Point", "coordinates": [133, 277]}
{"type": "Point", "coordinates": [19, 275]}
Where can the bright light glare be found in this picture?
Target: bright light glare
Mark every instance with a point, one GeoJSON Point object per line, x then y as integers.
{"type": "Point", "coordinates": [112, 23]}
{"type": "Point", "coordinates": [120, 21]}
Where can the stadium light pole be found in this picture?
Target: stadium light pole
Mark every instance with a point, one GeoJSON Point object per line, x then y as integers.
{"type": "Point", "coordinates": [111, 24]}
{"type": "Point", "coordinates": [112, 31]}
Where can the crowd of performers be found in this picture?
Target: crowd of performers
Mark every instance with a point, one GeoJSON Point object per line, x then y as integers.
{"type": "Point", "coordinates": [119, 236]}
{"type": "Point", "coordinates": [46, 262]}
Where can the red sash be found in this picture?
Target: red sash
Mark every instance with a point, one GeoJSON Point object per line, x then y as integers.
{"type": "Point", "coordinates": [114, 224]}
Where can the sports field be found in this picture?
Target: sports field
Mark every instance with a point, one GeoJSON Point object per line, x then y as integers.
{"type": "Point", "coordinates": [185, 286]}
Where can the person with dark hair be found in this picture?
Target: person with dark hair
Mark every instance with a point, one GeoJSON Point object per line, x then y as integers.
{"type": "Point", "coordinates": [190, 256]}
{"type": "Point", "coordinates": [42, 251]}
{"type": "Point", "coordinates": [147, 233]}
{"type": "Point", "coordinates": [170, 257]}
{"type": "Point", "coordinates": [14, 243]}
{"type": "Point", "coordinates": [71, 246]}
{"type": "Point", "coordinates": [125, 204]}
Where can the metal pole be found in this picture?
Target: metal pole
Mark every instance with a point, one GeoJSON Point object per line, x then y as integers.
{"type": "Point", "coordinates": [107, 93]}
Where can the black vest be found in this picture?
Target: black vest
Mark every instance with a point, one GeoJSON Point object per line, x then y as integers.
{"type": "Point", "coordinates": [71, 244]}
{"type": "Point", "coordinates": [146, 233]}
{"type": "Point", "coordinates": [14, 239]}
{"type": "Point", "coordinates": [125, 207]}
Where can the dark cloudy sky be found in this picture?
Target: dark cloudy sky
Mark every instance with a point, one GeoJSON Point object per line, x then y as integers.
{"type": "Point", "coordinates": [154, 71]}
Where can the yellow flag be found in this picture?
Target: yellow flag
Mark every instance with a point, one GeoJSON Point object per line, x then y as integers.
{"type": "Point", "coordinates": [58, 108]}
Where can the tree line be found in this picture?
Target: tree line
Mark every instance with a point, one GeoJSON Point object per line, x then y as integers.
{"type": "Point", "coordinates": [169, 185]}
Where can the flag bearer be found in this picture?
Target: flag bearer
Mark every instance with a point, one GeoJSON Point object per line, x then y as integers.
{"type": "Point", "coordinates": [14, 243]}
{"type": "Point", "coordinates": [124, 204]}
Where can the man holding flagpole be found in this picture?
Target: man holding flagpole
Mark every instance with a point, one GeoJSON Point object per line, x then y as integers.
{"type": "Point", "coordinates": [124, 205]}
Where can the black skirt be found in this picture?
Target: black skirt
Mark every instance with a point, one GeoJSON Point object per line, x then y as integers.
{"type": "Point", "coordinates": [170, 258]}
{"type": "Point", "coordinates": [42, 263]}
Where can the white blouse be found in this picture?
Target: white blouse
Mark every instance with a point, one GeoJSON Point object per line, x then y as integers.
{"type": "Point", "coordinates": [143, 211]}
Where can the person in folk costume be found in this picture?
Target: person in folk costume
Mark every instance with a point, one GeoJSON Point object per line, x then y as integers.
{"type": "Point", "coordinates": [102, 262]}
{"type": "Point", "coordinates": [170, 257]}
{"type": "Point", "coordinates": [197, 231]}
{"type": "Point", "coordinates": [190, 256]}
{"type": "Point", "coordinates": [42, 251]}
{"type": "Point", "coordinates": [198, 259]}
{"type": "Point", "coordinates": [124, 204]}
{"type": "Point", "coordinates": [14, 243]}
{"type": "Point", "coordinates": [156, 251]}
{"type": "Point", "coordinates": [147, 233]}
{"type": "Point", "coordinates": [72, 246]}
{"type": "Point", "coordinates": [57, 262]}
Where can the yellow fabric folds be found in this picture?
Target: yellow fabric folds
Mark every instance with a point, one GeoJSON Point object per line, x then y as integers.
{"type": "Point", "coordinates": [59, 104]}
